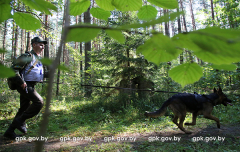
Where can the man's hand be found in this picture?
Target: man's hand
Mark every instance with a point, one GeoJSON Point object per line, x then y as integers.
{"type": "Point", "coordinates": [24, 85]}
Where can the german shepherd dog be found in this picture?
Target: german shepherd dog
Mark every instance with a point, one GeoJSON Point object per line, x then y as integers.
{"type": "Point", "coordinates": [194, 103]}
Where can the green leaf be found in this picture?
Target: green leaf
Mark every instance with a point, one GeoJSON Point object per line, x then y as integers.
{"type": "Point", "coordinates": [46, 61]}
{"type": "Point", "coordinates": [3, 51]}
{"type": "Point", "coordinates": [6, 72]}
{"type": "Point", "coordinates": [147, 12]}
{"type": "Point", "coordinates": [82, 34]}
{"type": "Point", "coordinates": [215, 45]}
{"type": "Point", "coordinates": [5, 2]}
{"type": "Point", "coordinates": [105, 4]}
{"type": "Point", "coordinates": [117, 35]}
{"type": "Point", "coordinates": [187, 73]}
{"type": "Point", "coordinates": [5, 12]}
{"type": "Point", "coordinates": [100, 13]}
{"type": "Point", "coordinates": [167, 4]}
{"type": "Point", "coordinates": [159, 49]}
{"type": "Point", "coordinates": [165, 18]}
{"type": "Point", "coordinates": [182, 41]}
{"type": "Point", "coordinates": [216, 58]}
{"type": "Point", "coordinates": [228, 67]}
{"type": "Point", "coordinates": [127, 5]}
{"type": "Point", "coordinates": [77, 8]}
{"type": "Point", "coordinates": [40, 5]}
{"type": "Point", "coordinates": [63, 67]}
{"type": "Point", "coordinates": [26, 21]}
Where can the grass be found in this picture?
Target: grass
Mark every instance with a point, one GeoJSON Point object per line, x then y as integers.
{"type": "Point", "coordinates": [105, 122]}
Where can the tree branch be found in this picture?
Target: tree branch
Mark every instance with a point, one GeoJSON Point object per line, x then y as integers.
{"type": "Point", "coordinates": [45, 26]}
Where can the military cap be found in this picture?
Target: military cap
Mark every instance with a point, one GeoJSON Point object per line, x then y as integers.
{"type": "Point", "coordinates": [38, 40]}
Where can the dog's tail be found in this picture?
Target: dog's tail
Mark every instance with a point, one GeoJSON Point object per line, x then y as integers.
{"type": "Point", "coordinates": [159, 112]}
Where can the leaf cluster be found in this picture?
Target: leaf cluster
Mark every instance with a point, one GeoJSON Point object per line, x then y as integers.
{"type": "Point", "coordinates": [212, 44]}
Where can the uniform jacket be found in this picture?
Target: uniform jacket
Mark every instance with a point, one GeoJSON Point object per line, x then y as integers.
{"type": "Point", "coordinates": [21, 63]}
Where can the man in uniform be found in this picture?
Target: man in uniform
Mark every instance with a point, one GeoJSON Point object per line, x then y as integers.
{"type": "Point", "coordinates": [29, 71]}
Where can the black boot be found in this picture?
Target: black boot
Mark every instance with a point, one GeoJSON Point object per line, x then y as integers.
{"type": "Point", "coordinates": [20, 124]}
{"type": "Point", "coordinates": [10, 134]}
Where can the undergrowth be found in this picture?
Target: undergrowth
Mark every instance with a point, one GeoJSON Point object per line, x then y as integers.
{"type": "Point", "coordinates": [101, 118]}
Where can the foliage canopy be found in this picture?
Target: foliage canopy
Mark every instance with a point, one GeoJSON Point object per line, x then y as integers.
{"type": "Point", "coordinates": [212, 44]}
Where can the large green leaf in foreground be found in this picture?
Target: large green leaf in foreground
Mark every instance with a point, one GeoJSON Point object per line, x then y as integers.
{"type": "Point", "coordinates": [147, 12]}
{"type": "Point", "coordinates": [186, 73]}
{"type": "Point", "coordinates": [228, 67]}
{"type": "Point", "coordinates": [77, 8]}
{"type": "Point", "coordinates": [215, 45]}
{"type": "Point", "coordinates": [100, 13]}
{"type": "Point", "coordinates": [82, 34]}
{"type": "Point", "coordinates": [6, 72]}
{"type": "Point", "coordinates": [41, 5]}
{"type": "Point", "coordinates": [5, 12]}
{"type": "Point", "coordinates": [117, 35]}
{"type": "Point", "coordinates": [127, 5]}
{"type": "Point", "coordinates": [159, 49]}
{"type": "Point", "coordinates": [168, 4]}
{"type": "Point", "coordinates": [165, 18]}
{"type": "Point", "coordinates": [26, 21]}
{"type": "Point", "coordinates": [105, 4]}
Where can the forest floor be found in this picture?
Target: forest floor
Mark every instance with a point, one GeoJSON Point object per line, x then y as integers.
{"type": "Point", "coordinates": [201, 138]}
{"type": "Point", "coordinates": [88, 125]}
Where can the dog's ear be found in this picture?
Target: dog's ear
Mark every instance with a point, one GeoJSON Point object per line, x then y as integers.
{"type": "Point", "coordinates": [219, 90]}
{"type": "Point", "coordinates": [214, 90]}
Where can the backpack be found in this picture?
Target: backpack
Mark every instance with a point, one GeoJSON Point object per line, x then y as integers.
{"type": "Point", "coordinates": [12, 80]}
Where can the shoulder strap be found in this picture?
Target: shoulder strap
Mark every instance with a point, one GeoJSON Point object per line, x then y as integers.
{"type": "Point", "coordinates": [32, 66]}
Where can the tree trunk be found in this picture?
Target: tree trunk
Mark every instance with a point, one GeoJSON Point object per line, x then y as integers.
{"type": "Point", "coordinates": [16, 41]}
{"type": "Point", "coordinates": [184, 20]}
{"type": "Point", "coordinates": [63, 48]}
{"type": "Point", "coordinates": [4, 39]}
{"type": "Point", "coordinates": [192, 16]}
{"type": "Point", "coordinates": [28, 47]}
{"type": "Point", "coordinates": [179, 31]}
{"type": "Point", "coordinates": [88, 90]}
{"type": "Point", "coordinates": [212, 12]}
{"type": "Point", "coordinates": [166, 24]}
{"type": "Point", "coordinates": [13, 44]}
{"type": "Point", "coordinates": [44, 123]}
{"type": "Point", "coordinates": [46, 49]}
{"type": "Point", "coordinates": [81, 53]}
{"type": "Point", "coordinates": [218, 79]}
{"type": "Point", "coordinates": [22, 41]}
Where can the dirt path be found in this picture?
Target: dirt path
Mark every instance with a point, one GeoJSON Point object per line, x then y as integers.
{"type": "Point", "coordinates": [135, 139]}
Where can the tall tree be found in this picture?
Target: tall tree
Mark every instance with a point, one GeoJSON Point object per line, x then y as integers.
{"type": "Point", "coordinates": [22, 47]}
{"type": "Point", "coordinates": [192, 15]}
{"type": "Point", "coordinates": [183, 16]}
{"type": "Point", "coordinates": [87, 74]}
{"type": "Point", "coordinates": [46, 49]}
{"type": "Point", "coordinates": [4, 39]}
{"type": "Point", "coordinates": [179, 31]}
{"type": "Point", "coordinates": [212, 10]}
{"type": "Point", "coordinates": [28, 46]}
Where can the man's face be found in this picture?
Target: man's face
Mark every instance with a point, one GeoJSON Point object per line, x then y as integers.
{"type": "Point", "coordinates": [38, 47]}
